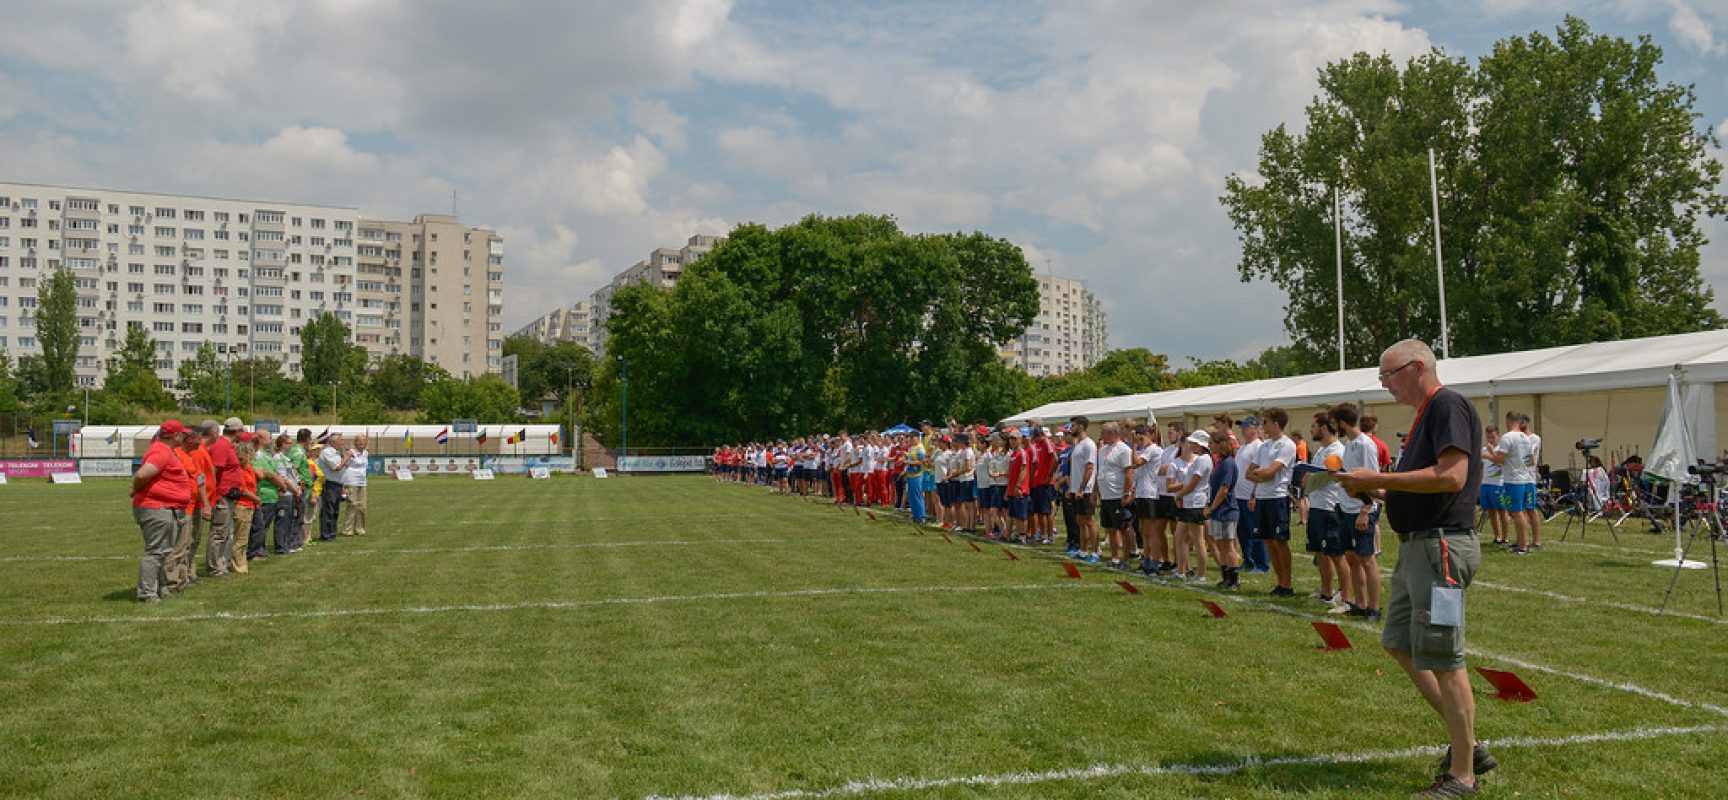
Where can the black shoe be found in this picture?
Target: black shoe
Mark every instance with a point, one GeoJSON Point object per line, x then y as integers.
{"type": "Point", "coordinates": [1484, 760]}
{"type": "Point", "coordinates": [1283, 591]}
{"type": "Point", "coordinates": [1447, 786]}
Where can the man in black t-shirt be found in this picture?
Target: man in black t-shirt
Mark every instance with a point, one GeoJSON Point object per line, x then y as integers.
{"type": "Point", "coordinates": [1431, 502]}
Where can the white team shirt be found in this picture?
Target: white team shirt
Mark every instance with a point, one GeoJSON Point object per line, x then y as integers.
{"type": "Point", "coordinates": [1516, 469]}
{"type": "Point", "coordinates": [1331, 496]}
{"type": "Point", "coordinates": [1080, 456]}
{"type": "Point", "coordinates": [1146, 477]}
{"type": "Point", "coordinates": [1359, 453]}
{"type": "Point", "coordinates": [1114, 461]}
{"type": "Point", "coordinates": [1201, 494]}
{"type": "Point", "coordinates": [1281, 451]}
{"type": "Point", "coordinates": [1244, 488]}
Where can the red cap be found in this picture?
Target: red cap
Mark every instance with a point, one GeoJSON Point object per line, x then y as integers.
{"type": "Point", "coordinates": [172, 427]}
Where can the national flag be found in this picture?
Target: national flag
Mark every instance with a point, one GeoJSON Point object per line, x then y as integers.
{"type": "Point", "coordinates": [407, 440]}
{"type": "Point", "coordinates": [444, 436]}
{"type": "Point", "coordinates": [517, 437]}
{"type": "Point", "coordinates": [324, 438]}
{"type": "Point", "coordinates": [554, 437]}
{"type": "Point", "coordinates": [114, 438]}
{"type": "Point", "coordinates": [30, 435]}
{"type": "Point", "coordinates": [480, 438]}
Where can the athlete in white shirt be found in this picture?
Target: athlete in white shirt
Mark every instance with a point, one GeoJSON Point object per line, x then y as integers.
{"type": "Point", "coordinates": [1517, 463]}
{"type": "Point", "coordinates": [1082, 489]}
{"type": "Point", "coordinates": [1492, 497]}
{"type": "Point", "coordinates": [1115, 475]}
{"type": "Point", "coordinates": [1271, 502]}
{"type": "Point", "coordinates": [1189, 484]}
{"type": "Point", "coordinates": [1148, 457]}
{"type": "Point", "coordinates": [1357, 516]}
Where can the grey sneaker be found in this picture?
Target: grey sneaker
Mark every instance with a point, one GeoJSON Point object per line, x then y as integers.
{"type": "Point", "coordinates": [1484, 761]}
{"type": "Point", "coordinates": [1447, 786]}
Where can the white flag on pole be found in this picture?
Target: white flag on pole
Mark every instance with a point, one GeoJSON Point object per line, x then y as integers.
{"type": "Point", "coordinates": [1669, 457]}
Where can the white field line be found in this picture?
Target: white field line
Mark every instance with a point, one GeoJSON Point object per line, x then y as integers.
{"type": "Point", "coordinates": [327, 552]}
{"type": "Point", "coordinates": [1096, 771]}
{"type": "Point", "coordinates": [552, 604]}
{"type": "Point", "coordinates": [1631, 688]}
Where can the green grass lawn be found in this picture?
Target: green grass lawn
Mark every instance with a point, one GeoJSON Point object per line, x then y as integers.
{"type": "Point", "coordinates": [670, 636]}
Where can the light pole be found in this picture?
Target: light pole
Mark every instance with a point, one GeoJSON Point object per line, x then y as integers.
{"type": "Point", "coordinates": [624, 416]}
{"type": "Point", "coordinates": [334, 415]}
{"type": "Point", "coordinates": [228, 375]}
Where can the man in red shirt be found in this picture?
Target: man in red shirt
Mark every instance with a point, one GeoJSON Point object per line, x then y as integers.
{"type": "Point", "coordinates": [181, 567]}
{"type": "Point", "coordinates": [1367, 425]}
{"type": "Point", "coordinates": [1043, 494]}
{"type": "Point", "coordinates": [219, 555]}
{"type": "Point", "coordinates": [1019, 486]}
{"type": "Point", "coordinates": [161, 490]}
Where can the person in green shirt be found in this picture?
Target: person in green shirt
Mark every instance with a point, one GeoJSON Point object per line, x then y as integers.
{"type": "Point", "coordinates": [269, 493]}
{"type": "Point", "coordinates": [303, 468]}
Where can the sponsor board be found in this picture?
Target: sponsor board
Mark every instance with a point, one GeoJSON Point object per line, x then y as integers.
{"type": "Point", "coordinates": [65, 477]}
{"type": "Point", "coordinates": [37, 467]}
{"type": "Point", "coordinates": [599, 472]}
{"type": "Point", "coordinates": [105, 467]}
{"type": "Point", "coordinates": [404, 475]}
{"type": "Point", "coordinates": [431, 465]}
{"type": "Point", "coordinates": [539, 473]}
{"type": "Point", "coordinates": [483, 475]}
{"type": "Point", "coordinates": [663, 464]}
{"type": "Point", "coordinates": [520, 465]}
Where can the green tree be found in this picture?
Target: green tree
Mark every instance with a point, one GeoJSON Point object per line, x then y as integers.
{"type": "Point", "coordinates": [397, 380]}
{"type": "Point", "coordinates": [136, 355]}
{"type": "Point", "coordinates": [543, 370]}
{"type": "Point", "coordinates": [57, 330]}
{"type": "Point", "coordinates": [825, 322]}
{"type": "Point", "coordinates": [8, 383]}
{"type": "Point", "coordinates": [329, 356]}
{"type": "Point", "coordinates": [203, 380]}
{"type": "Point", "coordinates": [1572, 181]}
{"type": "Point", "coordinates": [486, 398]}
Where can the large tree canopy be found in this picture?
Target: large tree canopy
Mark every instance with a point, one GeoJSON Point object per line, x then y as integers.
{"type": "Point", "coordinates": [826, 322]}
{"type": "Point", "coordinates": [1571, 184]}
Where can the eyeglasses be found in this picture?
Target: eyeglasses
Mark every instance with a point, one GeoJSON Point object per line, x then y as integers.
{"type": "Point", "coordinates": [1388, 373]}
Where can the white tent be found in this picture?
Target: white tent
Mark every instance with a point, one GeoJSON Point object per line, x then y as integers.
{"type": "Point", "coordinates": [1613, 390]}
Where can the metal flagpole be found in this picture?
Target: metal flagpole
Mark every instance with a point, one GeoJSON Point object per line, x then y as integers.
{"type": "Point", "coordinates": [1338, 245]}
{"type": "Point", "coordinates": [1439, 265]}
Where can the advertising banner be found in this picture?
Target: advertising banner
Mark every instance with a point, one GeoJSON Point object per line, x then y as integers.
{"type": "Point", "coordinates": [663, 464]}
{"type": "Point", "coordinates": [521, 465]}
{"type": "Point", "coordinates": [105, 467]}
{"type": "Point", "coordinates": [429, 465]}
{"type": "Point", "coordinates": [37, 467]}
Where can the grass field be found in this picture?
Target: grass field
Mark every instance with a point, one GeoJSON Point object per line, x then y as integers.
{"type": "Point", "coordinates": [670, 636]}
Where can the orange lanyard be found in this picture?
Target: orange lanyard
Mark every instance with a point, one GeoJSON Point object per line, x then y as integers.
{"type": "Point", "coordinates": [1446, 561]}
{"type": "Point", "coordinates": [1423, 409]}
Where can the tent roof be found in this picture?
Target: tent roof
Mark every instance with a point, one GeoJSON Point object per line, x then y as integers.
{"type": "Point", "coordinates": [1700, 357]}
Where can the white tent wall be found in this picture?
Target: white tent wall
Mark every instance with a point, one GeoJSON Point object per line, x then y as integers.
{"type": "Point", "coordinates": [1608, 390]}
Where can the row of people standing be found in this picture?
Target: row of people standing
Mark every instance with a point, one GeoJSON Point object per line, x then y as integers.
{"type": "Point", "coordinates": [248, 490]}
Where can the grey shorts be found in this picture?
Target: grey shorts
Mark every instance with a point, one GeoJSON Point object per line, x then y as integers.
{"type": "Point", "coordinates": [1432, 647]}
{"type": "Point", "coordinates": [1221, 529]}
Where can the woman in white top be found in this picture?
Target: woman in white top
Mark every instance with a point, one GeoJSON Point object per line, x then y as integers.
{"type": "Point", "coordinates": [1148, 456]}
{"type": "Point", "coordinates": [1596, 483]}
{"type": "Point", "coordinates": [1188, 483]}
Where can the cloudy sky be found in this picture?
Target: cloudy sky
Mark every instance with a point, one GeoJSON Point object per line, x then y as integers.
{"type": "Point", "coordinates": [1095, 134]}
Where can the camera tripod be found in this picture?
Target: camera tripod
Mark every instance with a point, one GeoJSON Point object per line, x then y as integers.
{"type": "Point", "coordinates": [1574, 504]}
{"type": "Point", "coordinates": [1706, 521]}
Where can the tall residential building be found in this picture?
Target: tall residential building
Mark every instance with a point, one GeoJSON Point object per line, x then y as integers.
{"type": "Point", "coordinates": [585, 321]}
{"type": "Point", "coordinates": [432, 288]}
{"type": "Point", "coordinates": [241, 274]}
{"type": "Point", "coordinates": [561, 325]}
{"type": "Point", "coordinates": [245, 275]}
{"type": "Point", "coordinates": [1069, 333]}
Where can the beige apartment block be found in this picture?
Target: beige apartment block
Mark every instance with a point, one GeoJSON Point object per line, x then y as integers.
{"type": "Point", "coordinates": [432, 288]}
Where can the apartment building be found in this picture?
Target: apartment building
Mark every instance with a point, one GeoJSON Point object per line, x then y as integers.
{"type": "Point", "coordinates": [1069, 333]}
{"type": "Point", "coordinates": [245, 275]}
{"type": "Point", "coordinates": [585, 321]}
{"type": "Point", "coordinates": [432, 288]}
{"type": "Point", "coordinates": [241, 274]}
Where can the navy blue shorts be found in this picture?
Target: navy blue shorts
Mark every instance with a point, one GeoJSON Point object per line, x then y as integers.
{"type": "Point", "coordinates": [945, 492]}
{"type": "Point", "coordinates": [1326, 532]}
{"type": "Point", "coordinates": [1360, 542]}
{"type": "Point", "coordinates": [965, 491]}
{"type": "Point", "coordinates": [1019, 507]}
{"type": "Point", "coordinates": [1043, 499]}
{"type": "Point", "coordinates": [1272, 518]}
